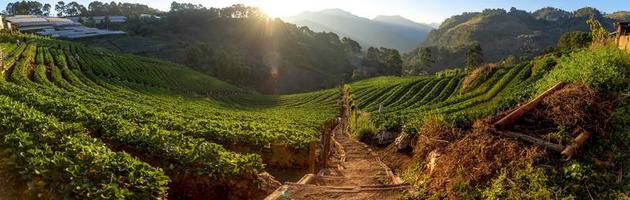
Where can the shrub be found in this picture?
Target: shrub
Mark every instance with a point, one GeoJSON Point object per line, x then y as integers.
{"type": "Point", "coordinates": [526, 182]}
{"type": "Point", "coordinates": [604, 69]}
{"type": "Point", "coordinates": [544, 63]}
{"type": "Point", "coordinates": [361, 125]}
{"type": "Point", "coordinates": [574, 40]}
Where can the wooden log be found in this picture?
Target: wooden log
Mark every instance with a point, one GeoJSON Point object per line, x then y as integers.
{"type": "Point", "coordinates": [516, 114]}
{"type": "Point", "coordinates": [306, 179]}
{"type": "Point", "coordinates": [531, 139]}
{"type": "Point", "coordinates": [573, 148]}
{"type": "Point", "coordinates": [326, 140]}
{"type": "Point", "coordinates": [278, 193]}
{"type": "Point", "coordinates": [312, 156]}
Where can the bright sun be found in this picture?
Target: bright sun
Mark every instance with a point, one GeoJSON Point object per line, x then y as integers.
{"type": "Point", "coordinates": [280, 8]}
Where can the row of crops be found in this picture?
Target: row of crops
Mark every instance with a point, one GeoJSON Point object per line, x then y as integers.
{"type": "Point", "coordinates": [70, 113]}
{"type": "Point", "coordinates": [396, 101]}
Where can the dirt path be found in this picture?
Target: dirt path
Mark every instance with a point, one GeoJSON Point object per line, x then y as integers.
{"type": "Point", "coordinates": [355, 172]}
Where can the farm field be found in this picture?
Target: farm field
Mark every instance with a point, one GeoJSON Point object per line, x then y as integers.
{"type": "Point", "coordinates": [400, 100]}
{"type": "Point", "coordinates": [83, 122]}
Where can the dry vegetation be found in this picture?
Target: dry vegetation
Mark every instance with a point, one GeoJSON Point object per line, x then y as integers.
{"type": "Point", "coordinates": [476, 76]}
{"type": "Point", "coordinates": [476, 163]}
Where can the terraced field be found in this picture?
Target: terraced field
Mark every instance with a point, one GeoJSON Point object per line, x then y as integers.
{"type": "Point", "coordinates": [396, 100]}
{"type": "Point", "coordinates": [88, 123]}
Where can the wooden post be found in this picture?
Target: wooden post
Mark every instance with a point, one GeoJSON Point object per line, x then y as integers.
{"type": "Point", "coordinates": [549, 145]}
{"type": "Point", "coordinates": [618, 36]}
{"type": "Point", "coordinates": [326, 148]}
{"type": "Point", "coordinates": [312, 152]}
{"type": "Point", "coordinates": [514, 115]}
{"type": "Point", "coordinates": [323, 157]}
{"type": "Point", "coordinates": [572, 149]}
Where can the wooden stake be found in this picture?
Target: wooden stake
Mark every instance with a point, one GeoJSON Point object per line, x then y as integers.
{"type": "Point", "coordinates": [516, 114]}
{"type": "Point", "coordinates": [572, 149]}
{"type": "Point", "coordinates": [531, 139]}
{"type": "Point", "coordinates": [312, 153]}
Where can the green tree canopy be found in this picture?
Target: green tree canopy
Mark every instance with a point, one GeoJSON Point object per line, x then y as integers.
{"type": "Point", "coordinates": [351, 46]}
{"type": "Point", "coordinates": [474, 56]}
{"type": "Point", "coordinates": [24, 8]}
{"type": "Point", "coordinates": [426, 60]}
{"type": "Point", "coordinates": [384, 61]}
{"type": "Point", "coordinates": [46, 10]}
{"type": "Point", "coordinates": [74, 9]}
{"type": "Point", "coordinates": [60, 7]}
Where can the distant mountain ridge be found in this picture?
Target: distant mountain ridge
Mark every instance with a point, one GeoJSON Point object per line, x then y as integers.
{"type": "Point", "coordinates": [502, 33]}
{"type": "Point", "coordinates": [383, 31]}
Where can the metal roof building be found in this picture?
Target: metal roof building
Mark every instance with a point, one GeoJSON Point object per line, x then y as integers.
{"type": "Point", "coordinates": [100, 19]}
{"type": "Point", "coordinates": [54, 27]}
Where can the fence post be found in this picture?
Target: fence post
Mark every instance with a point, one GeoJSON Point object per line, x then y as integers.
{"type": "Point", "coordinates": [312, 151]}
{"type": "Point", "coordinates": [325, 141]}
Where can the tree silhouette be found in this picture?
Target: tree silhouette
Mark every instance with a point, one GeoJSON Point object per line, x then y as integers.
{"type": "Point", "coordinates": [60, 8]}
{"type": "Point", "coordinates": [426, 60]}
{"type": "Point", "coordinates": [46, 10]}
{"type": "Point", "coordinates": [474, 56]}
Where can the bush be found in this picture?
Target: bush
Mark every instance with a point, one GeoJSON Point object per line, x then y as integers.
{"type": "Point", "coordinates": [605, 69]}
{"type": "Point", "coordinates": [526, 182]}
{"type": "Point", "coordinates": [361, 125]}
{"type": "Point", "coordinates": [574, 40]}
{"type": "Point", "coordinates": [544, 63]}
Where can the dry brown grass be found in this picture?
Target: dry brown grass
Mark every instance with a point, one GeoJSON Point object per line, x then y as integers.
{"type": "Point", "coordinates": [434, 134]}
{"type": "Point", "coordinates": [576, 105]}
{"type": "Point", "coordinates": [446, 157]}
{"type": "Point", "coordinates": [480, 72]}
{"type": "Point", "coordinates": [476, 158]}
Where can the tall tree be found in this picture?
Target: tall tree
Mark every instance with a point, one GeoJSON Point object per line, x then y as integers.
{"type": "Point", "coordinates": [75, 9]}
{"type": "Point", "coordinates": [474, 56]}
{"type": "Point", "coordinates": [393, 61]}
{"type": "Point", "coordinates": [97, 8]}
{"type": "Point", "coordinates": [372, 54]}
{"type": "Point", "coordinates": [351, 46]}
{"type": "Point", "coordinates": [426, 60]}
{"type": "Point", "coordinates": [187, 6]}
{"type": "Point", "coordinates": [24, 8]}
{"type": "Point", "coordinates": [60, 7]}
{"type": "Point", "coordinates": [10, 10]}
{"type": "Point", "coordinates": [46, 10]}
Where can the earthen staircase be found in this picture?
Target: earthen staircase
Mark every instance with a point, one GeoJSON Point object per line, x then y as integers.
{"type": "Point", "coordinates": [355, 172]}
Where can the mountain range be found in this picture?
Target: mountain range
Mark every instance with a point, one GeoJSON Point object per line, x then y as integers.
{"type": "Point", "coordinates": [383, 31]}
{"type": "Point", "coordinates": [503, 33]}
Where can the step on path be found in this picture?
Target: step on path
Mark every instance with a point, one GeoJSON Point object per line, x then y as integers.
{"type": "Point", "coordinates": [355, 172]}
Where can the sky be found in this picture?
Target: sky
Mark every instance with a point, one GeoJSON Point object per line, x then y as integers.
{"type": "Point", "coordinates": [427, 11]}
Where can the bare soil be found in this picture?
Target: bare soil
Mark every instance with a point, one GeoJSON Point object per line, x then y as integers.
{"type": "Point", "coordinates": [356, 172]}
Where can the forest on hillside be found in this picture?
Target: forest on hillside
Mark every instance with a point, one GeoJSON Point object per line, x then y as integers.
{"type": "Point", "coordinates": [245, 47]}
{"type": "Point", "coordinates": [238, 44]}
{"type": "Point", "coordinates": [501, 34]}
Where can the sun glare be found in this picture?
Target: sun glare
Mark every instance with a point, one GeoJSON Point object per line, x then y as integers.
{"type": "Point", "coordinates": [279, 8]}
